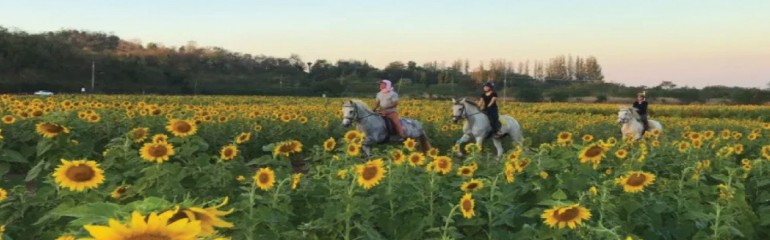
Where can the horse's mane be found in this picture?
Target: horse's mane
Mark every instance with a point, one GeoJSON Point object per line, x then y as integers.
{"type": "Point", "coordinates": [472, 104]}
{"type": "Point", "coordinates": [633, 112]}
{"type": "Point", "coordinates": [360, 103]}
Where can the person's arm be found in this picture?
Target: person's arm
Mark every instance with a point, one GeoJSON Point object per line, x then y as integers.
{"type": "Point", "coordinates": [492, 102]}
{"type": "Point", "coordinates": [481, 102]}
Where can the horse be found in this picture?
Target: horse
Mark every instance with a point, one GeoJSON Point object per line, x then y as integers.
{"type": "Point", "coordinates": [478, 126]}
{"type": "Point", "coordinates": [376, 127]}
{"type": "Point", "coordinates": [632, 125]}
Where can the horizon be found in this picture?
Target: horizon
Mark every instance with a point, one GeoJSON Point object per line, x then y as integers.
{"type": "Point", "coordinates": [689, 43]}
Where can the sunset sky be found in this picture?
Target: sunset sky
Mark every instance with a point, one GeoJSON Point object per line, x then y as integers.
{"type": "Point", "coordinates": [693, 43]}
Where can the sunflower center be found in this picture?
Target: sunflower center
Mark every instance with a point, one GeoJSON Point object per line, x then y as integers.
{"type": "Point", "coordinates": [636, 179]}
{"type": "Point", "coordinates": [80, 173]}
{"type": "Point", "coordinates": [472, 186]}
{"type": "Point", "coordinates": [442, 164]}
{"type": "Point", "coordinates": [369, 172]}
{"type": "Point", "coordinates": [182, 127]}
{"type": "Point", "coordinates": [567, 215]}
{"type": "Point", "coordinates": [149, 236]}
{"type": "Point", "coordinates": [594, 151]}
{"type": "Point", "coordinates": [564, 136]}
{"type": "Point", "coordinates": [466, 171]}
{"type": "Point", "coordinates": [158, 151]}
{"type": "Point", "coordinates": [285, 148]}
{"type": "Point", "coordinates": [467, 206]}
{"type": "Point", "coordinates": [415, 159]}
{"type": "Point", "coordinates": [51, 128]}
{"type": "Point", "coordinates": [228, 152]}
{"type": "Point", "coordinates": [263, 178]}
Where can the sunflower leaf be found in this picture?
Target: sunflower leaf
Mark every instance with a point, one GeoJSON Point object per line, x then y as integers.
{"type": "Point", "coordinates": [92, 213]}
{"type": "Point", "coordinates": [13, 156]}
{"type": "Point", "coordinates": [32, 174]}
{"type": "Point", "coordinates": [559, 195]}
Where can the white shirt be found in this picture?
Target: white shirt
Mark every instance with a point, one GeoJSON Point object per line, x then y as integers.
{"type": "Point", "coordinates": [387, 99]}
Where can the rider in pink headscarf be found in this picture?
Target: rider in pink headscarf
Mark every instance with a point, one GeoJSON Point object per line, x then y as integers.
{"type": "Point", "coordinates": [387, 101]}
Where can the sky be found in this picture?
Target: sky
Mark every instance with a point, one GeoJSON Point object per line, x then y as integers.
{"type": "Point", "coordinates": [690, 43]}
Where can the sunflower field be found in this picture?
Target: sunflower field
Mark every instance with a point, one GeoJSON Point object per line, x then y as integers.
{"type": "Point", "coordinates": [226, 167]}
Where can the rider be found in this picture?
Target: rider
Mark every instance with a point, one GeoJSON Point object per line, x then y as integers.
{"type": "Point", "coordinates": [488, 103]}
{"type": "Point", "coordinates": [387, 101]}
{"type": "Point", "coordinates": [641, 108]}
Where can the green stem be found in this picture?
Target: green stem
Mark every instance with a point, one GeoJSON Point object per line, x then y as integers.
{"type": "Point", "coordinates": [491, 204]}
{"type": "Point", "coordinates": [348, 213]}
{"type": "Point", "coordinates": [278, 189]}
{"type": "Point", "coordinates": [447, 220]}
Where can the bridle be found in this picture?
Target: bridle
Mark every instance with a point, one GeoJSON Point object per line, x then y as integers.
{"type": "Point", "coordinates": [463, 113]}
{"type": "Point", "coordinates": [626, 116]}
{"type": "Point", "coordinates": [354, 117]}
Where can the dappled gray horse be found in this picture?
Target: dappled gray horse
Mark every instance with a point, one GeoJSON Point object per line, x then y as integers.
{"type": "Point", "coordinates": [477, 125]}
{"type": "Point", "coordinates": [631, 125]}
{"type": "Point", "coordinates": [375, 128]}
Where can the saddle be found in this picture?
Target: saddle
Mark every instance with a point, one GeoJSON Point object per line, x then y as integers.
{"type": "Point", "coordinates": [389, 126]}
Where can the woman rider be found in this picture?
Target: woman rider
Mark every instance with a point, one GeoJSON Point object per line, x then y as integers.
{"type": "Point", "coordinates": [488, 103]}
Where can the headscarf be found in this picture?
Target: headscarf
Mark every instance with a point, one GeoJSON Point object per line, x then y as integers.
{"type": "Point", "coordinates": [387, 87]}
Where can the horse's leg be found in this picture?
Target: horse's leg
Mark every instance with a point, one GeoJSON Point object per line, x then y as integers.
{"type": "Point", "coordinates": [465, 138]}
{"type": "Point", "coordinates": [367, 146]}
{"type": "Point", "coordinates": [480, 141]}
{"type": "Point", "coordinates": [499, 145]}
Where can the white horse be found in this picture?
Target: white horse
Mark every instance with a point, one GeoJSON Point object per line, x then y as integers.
{"type": "Point", "coordinates": [632, 125]}
{"type": "Point", "coordinates": [477, 125]}
{"type": "Point", "coordinates": [375, 126]}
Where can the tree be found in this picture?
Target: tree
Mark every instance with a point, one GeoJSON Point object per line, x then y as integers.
{"type": "Point", "coordinates": [667, 85]}
{"type": "Point", "coordinates": [593, 70]}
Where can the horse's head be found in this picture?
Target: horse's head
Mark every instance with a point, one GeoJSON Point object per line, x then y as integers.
{"type": "Point", "coordinates": [349, 113]}
{"type": "Point", "coordinates": [458, 110]}
{"type": "Point", "coordinates": [625, 115]}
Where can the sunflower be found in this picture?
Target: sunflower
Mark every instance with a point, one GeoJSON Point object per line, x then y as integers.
{"type": "Point", "coordinates": [329, 144]}
{"type": "Point", "coordinates": [570, 216]}
{"type": "Point", "coordinates": [397, 156]}
{"type": "Point", "coordinates": [341, 174]}
{"type": "Point", "coordinates": [1, 134]}
{"type": "Point", "coordinates": [635, 181]}
{"type": "Point", "coordinates": [228, 152]}
{"type": "Point", "coordinates": [456, 148]}
{"type": "Point", "coordinates": [3, 194]}
{"type": "Point", "coordinates": [285, 118]}
{"type": "Point", "coordinates": [138, 134]}
{"type": "Point", "coordinates": [753, 136]}
{"type": "Point", "coordinates": [93, 118]}
{"type": "Point", "coordinates": [181, 128]}
{"type": "Point", "coordinates": [119, 191]}
{"type": "Point", "coordinates": [287, 147]}
{"type": "Point", "coordinates": [264, 178]}
{"type": "Point", "coordinates": [208, 217]}
{"type": "Point", "coordinates": [416, 159]}
{"type": "Point", "coordinates": [697, 143]}
{"type": "Point", "coordinates": [738, 148]}
{"type": "Point", "coordinates": [472, 147]}
{"type": "Point", "coordinates": [257, 128]}
{"type": "Point", "coordinates": [593, 154]}
{"type": "Point", "coordinates": [433, 152]}
{"type": "Point", "coordinates": [513, 156]}
{"type": "Point", "coordinates": [158, 152]}
{"type": "Point", "coordinates": [510, 170]}
{"type": "Point", "coordinates": [766, 152]}
{"type": "Point", "coordinates": [472, 185]}
{"type": "Point", "coordinates": [543, 174]}
{"type": "Point", "coordinates": [564, 137]}
{"type": "Point", "coordinates": [621, 153]}
{"type": "Point", "coordinates": [159, 138]}
{"type": "Point", "coordinates": [588, 138]}
{"type": "Point", "coordinates": [295, 180]}
{"type": "Point", "coordinates": [443, 164]}
{"type": "Point", "coordinates": [243, 137]}
{"type": "Point", "coordinates": [593, 190]}
{"type": "Point", "coordinates": [153, 226]}
{"type": "Point", "coordinates": [520, 165]}
{"type": "Point", "coordinates": [78, 175]}
{"type": "Point", "coordinates": [683, 146]}
{"type": "Point", "coordinates": [352, 135]}
{"type": "Point", "coordinates": [410, 144]}
{"type": "Point", "coordinates": [465, 171]}
{"type": "Point", "coordinates": [370, 173]}
{"type": "Point", "coordinates": [50, 130]}
{"type": "Point", "coordinates": [467, 204]}
{"type": "Point", "coordinates": [8, 119]}
{"type": "Point", "coordinates": [353, 150]}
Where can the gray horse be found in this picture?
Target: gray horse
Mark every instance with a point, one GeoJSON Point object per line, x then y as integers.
{"type": "Point", "coordinates": [478, 126]}
{"type": "Point", "coordinates": [375, 128]}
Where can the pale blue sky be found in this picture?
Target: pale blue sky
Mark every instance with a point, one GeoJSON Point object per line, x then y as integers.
{"type": "Point", "coordinates": [695, 43]}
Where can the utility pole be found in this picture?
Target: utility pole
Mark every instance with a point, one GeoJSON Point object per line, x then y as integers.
{"type": "Point", "coordinates": [93, 75]}
{"type": "Point", "coordinates": [505, 84]}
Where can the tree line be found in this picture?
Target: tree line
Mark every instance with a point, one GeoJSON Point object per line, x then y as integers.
{"type": "Point", "coordinates": [61, 61]}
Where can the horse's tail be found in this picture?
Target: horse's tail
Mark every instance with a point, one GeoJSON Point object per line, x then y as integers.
{"type": "Point", "coordinates": [424, 142]}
